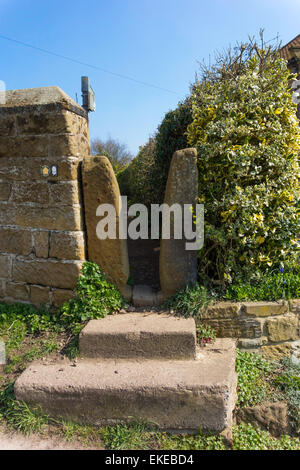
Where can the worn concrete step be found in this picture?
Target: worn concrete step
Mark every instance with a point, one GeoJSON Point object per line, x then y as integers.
{"type": "Point", "coordinates": [175, 395]}
{"type": "Point", "coordinates": [139, 335]}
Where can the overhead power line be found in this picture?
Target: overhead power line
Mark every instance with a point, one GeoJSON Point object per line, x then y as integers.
{"type": "Point", "coordinates": [95, 67]}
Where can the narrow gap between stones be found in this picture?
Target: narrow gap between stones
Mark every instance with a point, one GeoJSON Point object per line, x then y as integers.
{"type": "Point", "coordinates": [144, 261]}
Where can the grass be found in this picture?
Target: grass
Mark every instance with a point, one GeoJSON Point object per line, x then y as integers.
{"type": "Point", "coordinates": [128, 437]}
{"type": "Point", "coordinates": [18, 415]}
{"type": "Point", "coordinates": [245, 437]}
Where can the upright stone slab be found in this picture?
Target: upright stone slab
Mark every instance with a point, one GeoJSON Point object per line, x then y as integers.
{"type": "Point", "coordinates": [178, 266]}
{"type": "Point", "coordinates": [43, 138]}
{"type": "Point", "coordinates": [100, 186]}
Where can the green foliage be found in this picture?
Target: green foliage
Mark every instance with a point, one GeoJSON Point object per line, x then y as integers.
{"type": "Point", "coordinates": [185, 442]}
{"type": "Point", "coordinates": [13, 332]}
{"type": "Point", "coordinates": [189, 301]}
{"type": "Point", "coordinates": [33, 319]}
{"type": "Point", "coordinates": [246, 437]}
{"type": "Point", "coordinates": [43, 348]}
{"type": "Point", "coordinates": [260, 380]}
{"type": "Point", "coordinates": [72, 349]}
{"type": "Point", "coordinates": [144, 180]}
{"type": "Point", "coordinates": [171, 136]}
{"type": "Point", "coordinates": [18, 415]}
{"type": "Point", "coordinates": [283, 284]}
{"type": "Point", "coordinates": [87, 435]}
{"type": "Point", "coordinates": [135, 180]}
{"type": "Point", "coordinates": [127, 436]}
{"type": "Point", "coordinates": [96, 297]}
{"type": "Point", "coordinates": [289, 383]}
{"type": "Point", "coordinates": [205, 334]}
{"type": "Point", "coordinates": [140, 436]}
{"type": "Point", "coordinates": [254, 376]}
{"type": "Point", "coordinates": [248, 140]}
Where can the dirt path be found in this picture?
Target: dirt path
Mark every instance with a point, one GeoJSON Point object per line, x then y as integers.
{"type": "Point", "coordinates": [15, 441]}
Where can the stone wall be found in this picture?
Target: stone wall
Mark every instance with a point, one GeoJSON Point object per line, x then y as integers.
{"type": "Point", "coordinates": [269, 327]}
{"type": "Point", "coordinates": [42, 239]}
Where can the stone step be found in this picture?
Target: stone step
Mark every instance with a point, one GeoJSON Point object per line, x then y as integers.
{"type": "Point", "coordinates": [139, 335]}
{"type": "Point", "coordinates": [175, 395]}
{"type": "Point", "coordinates": [143, 296]}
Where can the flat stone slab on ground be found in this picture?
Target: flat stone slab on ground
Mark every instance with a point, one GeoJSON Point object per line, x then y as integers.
{"type": "Point", "coordinates": [139, 335]}
{"type": "Point", "coordinates": [175, 395]}
{"type": "Point", "coordinates": [269, 416]}
{"type": "Point", "coordinates": [143, 296]}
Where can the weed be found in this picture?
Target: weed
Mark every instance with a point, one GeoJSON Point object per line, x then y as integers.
{"type": "Point", "coordinates": [289, 383]}
{"type": "Point", "coordinates": [254, 379]}
{"type": "Point", "coordinates": [186, 442]}
{"type": "Point", "coordinates": [189, 301]}
{"type": "Point", "coordinates": [246, 437]}
{"type": "Point", "coordinates": [205, 334]}
{"type": "Point", "coordinates": [72, 349]}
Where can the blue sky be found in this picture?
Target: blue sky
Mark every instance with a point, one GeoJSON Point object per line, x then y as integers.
{"type": "Point", "coordinates": [155, 41]}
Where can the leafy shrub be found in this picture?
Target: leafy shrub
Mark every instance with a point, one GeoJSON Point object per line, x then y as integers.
{"type": "Point", "coordinates": [144, 180]}
{"type": "Point", "coordinates": [171, 136]}
{"type": "Point", "coordinates": [248, 140]}
{"type": "Point", "coordinates": [96, 297]}
{"type": "Point", "coordinates": [135, 180]}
